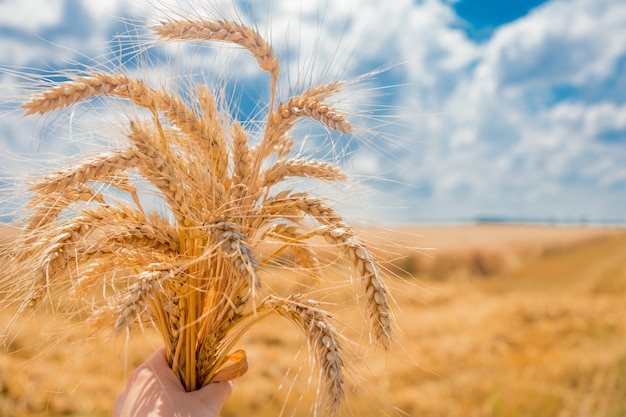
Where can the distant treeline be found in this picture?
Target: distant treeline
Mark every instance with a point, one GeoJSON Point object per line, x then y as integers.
{"type": "Point", "coordinates": [545, 220]}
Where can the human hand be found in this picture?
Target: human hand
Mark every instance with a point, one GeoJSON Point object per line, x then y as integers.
{"type": "Point", "coordinates": [153, 390]}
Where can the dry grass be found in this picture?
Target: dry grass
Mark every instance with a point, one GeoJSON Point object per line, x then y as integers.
{"type": "Point", "coordinates": [194, 272]}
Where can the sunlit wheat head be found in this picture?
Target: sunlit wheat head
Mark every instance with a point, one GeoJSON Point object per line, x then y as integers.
{"type": "Point", "coordinates": [194, 270]}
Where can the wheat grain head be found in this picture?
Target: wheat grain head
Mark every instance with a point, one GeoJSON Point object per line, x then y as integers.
{"type": "Point", "coordinates": [195, 275]}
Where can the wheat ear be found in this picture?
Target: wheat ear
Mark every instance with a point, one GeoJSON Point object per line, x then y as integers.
{"type": "Point", "coordinates": [323, 339]}
{"type": "Point", "coordinates": [375, 289]}
{"type": "Point", "coordinates": [195, 275]}
{"type": "Point", "coordinates": [335, 231]}
{"type": "Point", "coordinates": [302, 168]}
{"type": "Point", "coordinates": [225, 31]}
{"type": "Point", "coordinates": [307, 104]}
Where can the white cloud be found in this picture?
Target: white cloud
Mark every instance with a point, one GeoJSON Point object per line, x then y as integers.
{"type": "Point", "coordinates": [31, 15]}
{"type": "Point", "coordinates": [102, 9]}
{"type": "Point", "coordinates": [503, 133]}
{"type": "Point", "coordinates": [575, 41]}
{"type": "Point", "coordinates": [366, 164]}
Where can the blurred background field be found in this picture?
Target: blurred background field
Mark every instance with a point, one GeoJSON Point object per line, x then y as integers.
{"type": "Point", "coordinates": [495, 320]}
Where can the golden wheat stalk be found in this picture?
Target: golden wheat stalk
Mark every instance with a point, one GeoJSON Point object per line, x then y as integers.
{"type": "Point", "coordinates": [193, 272]}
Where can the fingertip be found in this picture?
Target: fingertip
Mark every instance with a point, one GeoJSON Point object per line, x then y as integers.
{"type": "Point", "coordinates": [157, 362]}
{"type": "Point", "coordinates": [225, 386]}
{"type": "Point", "coordinates": [158, 357]}
{"type": "Point", "coordinates": [217, 392]}
{"type": "Point", "coordinates": [230, 385]}
{"type": "Point", "coordinates": [118, 404]}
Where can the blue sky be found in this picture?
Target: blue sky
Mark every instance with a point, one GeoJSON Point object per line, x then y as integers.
{"type": "Point", "coordinates": [505, 110]}
{"type": "Point", "coordinates": [482, 17]}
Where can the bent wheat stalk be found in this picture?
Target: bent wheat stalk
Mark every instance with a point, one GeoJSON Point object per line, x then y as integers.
{"type": "Point", "coordinates": [194, 275]}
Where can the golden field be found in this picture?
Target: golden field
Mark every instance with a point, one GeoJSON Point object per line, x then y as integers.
{"type": "Point", "coordinates": [494, 321]}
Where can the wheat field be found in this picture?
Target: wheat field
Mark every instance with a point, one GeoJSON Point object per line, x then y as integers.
{"type": "Point", "coordinates": [496, 321]}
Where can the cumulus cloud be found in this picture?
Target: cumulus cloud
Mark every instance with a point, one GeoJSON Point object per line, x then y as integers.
{"type": "Point", "coordinates": [506, 132]}
{"type": "Point", "coordinates": [30, 15]}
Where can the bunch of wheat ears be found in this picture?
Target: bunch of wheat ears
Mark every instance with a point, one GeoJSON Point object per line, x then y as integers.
{"type": "Point", "coordinates": [193, 272]}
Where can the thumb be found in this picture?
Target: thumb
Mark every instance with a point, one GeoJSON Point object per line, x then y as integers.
{"type": "Point", "coordinates": [215, 395]}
